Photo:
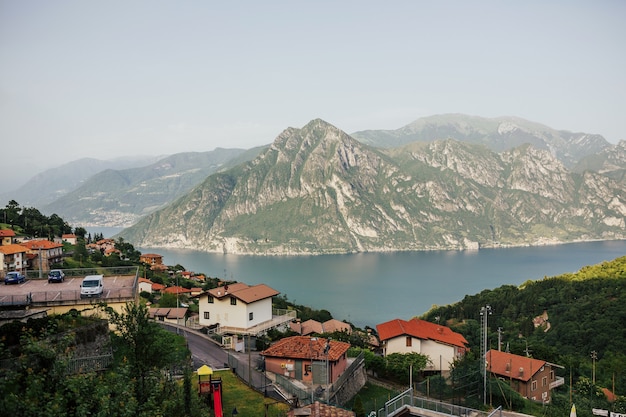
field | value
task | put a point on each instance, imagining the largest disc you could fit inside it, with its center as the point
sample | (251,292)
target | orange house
(309,359)
(48,253)
(6,236)
(531,378)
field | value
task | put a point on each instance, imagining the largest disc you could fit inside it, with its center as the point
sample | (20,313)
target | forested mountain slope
(559,319)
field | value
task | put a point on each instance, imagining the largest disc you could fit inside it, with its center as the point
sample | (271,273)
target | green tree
(398,365)
(358,408)
(146,347)
(168,300)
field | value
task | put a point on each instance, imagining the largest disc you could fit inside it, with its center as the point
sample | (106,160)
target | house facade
(7,236)
(45,253)
(236,308)
(70,238)
(532,378)
(12,258)
(308,359)
(442,345)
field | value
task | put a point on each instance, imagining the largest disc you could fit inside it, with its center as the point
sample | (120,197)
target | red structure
(216,391)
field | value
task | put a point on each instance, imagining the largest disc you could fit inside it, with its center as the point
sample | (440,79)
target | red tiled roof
(334,325)
(157,286)
(247,294)
(40,244)
(420,329)
(7,233)
(304,347)
(176,290)
(170,313)
(150,255)
(512,366)
(610,396)
(12,249)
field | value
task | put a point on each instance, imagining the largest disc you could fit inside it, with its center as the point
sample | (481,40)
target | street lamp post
(484,313)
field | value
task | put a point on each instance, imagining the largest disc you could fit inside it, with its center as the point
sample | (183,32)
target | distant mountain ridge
(93,193)
(497,134)
(121,197)
(318,190)
(54,183)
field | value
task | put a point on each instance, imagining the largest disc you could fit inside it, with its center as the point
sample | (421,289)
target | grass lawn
(249,403)
(373,397)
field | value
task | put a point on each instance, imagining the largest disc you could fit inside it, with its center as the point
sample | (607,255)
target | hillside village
(311,357)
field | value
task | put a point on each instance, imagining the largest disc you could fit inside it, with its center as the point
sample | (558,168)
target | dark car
(14,278)
(56,275)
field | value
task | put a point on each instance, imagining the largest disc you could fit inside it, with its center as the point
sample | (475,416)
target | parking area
(35,291)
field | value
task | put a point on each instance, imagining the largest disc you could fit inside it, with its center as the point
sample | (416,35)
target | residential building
(169,315)
(12,258)
(145,285)
(309,359)
(315,327)
(45,253)
(240,309)
(532,378)
(442,345)
(69,238)
(7,236)
(154,260)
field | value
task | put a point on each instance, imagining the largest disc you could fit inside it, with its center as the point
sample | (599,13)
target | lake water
(371,288)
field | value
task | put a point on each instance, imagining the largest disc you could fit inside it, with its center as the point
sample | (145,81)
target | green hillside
(582,312)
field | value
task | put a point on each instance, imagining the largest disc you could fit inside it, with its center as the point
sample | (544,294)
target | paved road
(205,351)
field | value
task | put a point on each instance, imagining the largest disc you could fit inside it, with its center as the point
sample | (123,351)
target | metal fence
(81,272)
(89,364)
(408,399)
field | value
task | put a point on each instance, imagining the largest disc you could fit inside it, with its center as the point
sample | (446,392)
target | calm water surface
(371,288)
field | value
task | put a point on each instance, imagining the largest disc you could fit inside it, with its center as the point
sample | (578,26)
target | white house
(145,285)
(236,308)
(438,342)
(12,258)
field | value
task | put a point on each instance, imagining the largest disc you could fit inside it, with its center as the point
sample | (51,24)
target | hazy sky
(116,78)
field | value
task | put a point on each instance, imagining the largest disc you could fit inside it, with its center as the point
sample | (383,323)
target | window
(533,386)
(210,299)
(207,315)
(544,381)
(409,341)
(233,301)
(250,316)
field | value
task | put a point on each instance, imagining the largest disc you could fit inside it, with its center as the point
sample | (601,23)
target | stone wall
(351,386)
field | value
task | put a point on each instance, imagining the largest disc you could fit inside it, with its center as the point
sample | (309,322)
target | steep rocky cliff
(318,190)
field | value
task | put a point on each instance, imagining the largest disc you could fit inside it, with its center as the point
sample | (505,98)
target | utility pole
(594,356)
(484,313)
(500,338)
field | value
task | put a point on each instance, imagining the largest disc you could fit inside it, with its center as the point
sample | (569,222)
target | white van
(92,286)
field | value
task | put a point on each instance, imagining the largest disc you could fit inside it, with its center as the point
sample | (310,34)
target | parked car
(56,275)
(14,278)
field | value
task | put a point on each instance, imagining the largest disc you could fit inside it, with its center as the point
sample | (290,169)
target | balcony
(559,381)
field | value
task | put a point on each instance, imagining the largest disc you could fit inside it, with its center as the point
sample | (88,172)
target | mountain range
(442,182)
(319,190)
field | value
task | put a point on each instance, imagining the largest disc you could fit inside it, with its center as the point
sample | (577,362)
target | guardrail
(81,272)
(407,399)
(89,364)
